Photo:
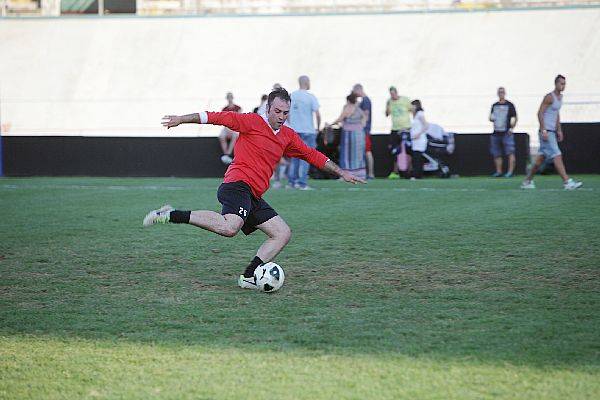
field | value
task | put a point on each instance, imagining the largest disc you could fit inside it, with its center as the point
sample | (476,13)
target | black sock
(255,263)
(180,217)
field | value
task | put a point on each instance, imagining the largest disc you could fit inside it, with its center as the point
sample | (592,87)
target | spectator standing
(365,106)
(418,135)
(304,105)
(502,140)
(262,108)
(352,141)
(227,137)
(398,107)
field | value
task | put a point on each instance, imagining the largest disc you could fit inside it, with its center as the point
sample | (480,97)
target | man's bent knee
(286,234)
(232,226)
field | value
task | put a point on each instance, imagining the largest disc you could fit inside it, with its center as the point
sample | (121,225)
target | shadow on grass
(524,319)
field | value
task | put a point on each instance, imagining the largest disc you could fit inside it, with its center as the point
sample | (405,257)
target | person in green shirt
(398,107)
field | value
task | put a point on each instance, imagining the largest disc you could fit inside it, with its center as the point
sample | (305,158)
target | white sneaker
(305,188)
(527,185)
(572,184)
(225,159)
(160,216)
(276,185)
(288,186)
(247,283)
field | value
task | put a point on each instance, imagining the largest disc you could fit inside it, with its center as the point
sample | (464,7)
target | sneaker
(393,175)
(508,175)
(370,178)
(305,188)
(572,184)
(527,185)
(288,186)
(160,216)
(276,185)
(496,174)
(247,283)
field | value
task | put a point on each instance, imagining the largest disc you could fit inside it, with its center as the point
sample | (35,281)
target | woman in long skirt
(352,143)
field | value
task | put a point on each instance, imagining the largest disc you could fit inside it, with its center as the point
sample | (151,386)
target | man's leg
(498,164)
(534,168)
(227,225)
(508,142)
(370,164)
(292,172)
(496,150)
(559,165)
(303,166)
(223,141)
(279,234)
(511,164)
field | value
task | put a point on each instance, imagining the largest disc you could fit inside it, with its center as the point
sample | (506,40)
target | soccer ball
(269,277)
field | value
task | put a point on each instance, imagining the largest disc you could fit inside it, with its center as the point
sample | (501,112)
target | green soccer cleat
(247,283)
(160,216)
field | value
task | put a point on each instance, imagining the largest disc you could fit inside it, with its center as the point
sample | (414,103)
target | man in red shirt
(263,140)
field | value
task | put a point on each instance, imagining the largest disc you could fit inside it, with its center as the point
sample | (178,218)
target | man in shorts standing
(398,107)
(550,134)
(263,140)
(502,140)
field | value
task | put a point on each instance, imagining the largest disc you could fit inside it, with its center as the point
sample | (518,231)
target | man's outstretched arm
(333,168)
(235,121)
(171,121)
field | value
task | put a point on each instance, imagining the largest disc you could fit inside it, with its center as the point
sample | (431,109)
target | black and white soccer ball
(269,277)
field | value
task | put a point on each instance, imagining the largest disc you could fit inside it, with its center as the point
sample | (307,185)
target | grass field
(441,289)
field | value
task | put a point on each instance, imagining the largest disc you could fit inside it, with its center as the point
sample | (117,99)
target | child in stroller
(439,144)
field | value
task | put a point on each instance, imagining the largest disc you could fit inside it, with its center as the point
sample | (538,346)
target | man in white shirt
(304,105)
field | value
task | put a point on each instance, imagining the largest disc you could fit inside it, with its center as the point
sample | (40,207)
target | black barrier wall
(581,147)
(199,157)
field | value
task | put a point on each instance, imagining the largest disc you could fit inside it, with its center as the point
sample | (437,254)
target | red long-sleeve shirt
(259,149)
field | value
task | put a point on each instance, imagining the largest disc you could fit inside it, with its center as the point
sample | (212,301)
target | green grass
(440,289)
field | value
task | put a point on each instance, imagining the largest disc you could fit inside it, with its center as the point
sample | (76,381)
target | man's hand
(348,177)
(333,168)
(544,135)
(560,136)
(171,121)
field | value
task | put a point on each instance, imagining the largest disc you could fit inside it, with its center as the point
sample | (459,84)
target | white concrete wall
(118,76)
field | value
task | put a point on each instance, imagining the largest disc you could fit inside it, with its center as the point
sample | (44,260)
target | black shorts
(237,198)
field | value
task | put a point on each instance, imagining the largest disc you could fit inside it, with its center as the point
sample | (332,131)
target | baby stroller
(439,144)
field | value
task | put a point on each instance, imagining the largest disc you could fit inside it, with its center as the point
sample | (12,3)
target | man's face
(501,93)
(277,113)
(357,90)
(560,84)
(229,98)
(394,94)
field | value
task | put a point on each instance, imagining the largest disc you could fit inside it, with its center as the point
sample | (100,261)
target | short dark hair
(559,76)
(351,98)
(264,97)
(417,104)
(278,93)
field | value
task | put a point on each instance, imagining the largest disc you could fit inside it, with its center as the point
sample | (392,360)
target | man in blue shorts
(502,141)
(550,134)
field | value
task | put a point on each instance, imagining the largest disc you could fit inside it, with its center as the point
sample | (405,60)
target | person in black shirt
(502,141)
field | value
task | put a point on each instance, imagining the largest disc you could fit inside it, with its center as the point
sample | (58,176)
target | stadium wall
(198,157)
(117,76)
(192,157)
